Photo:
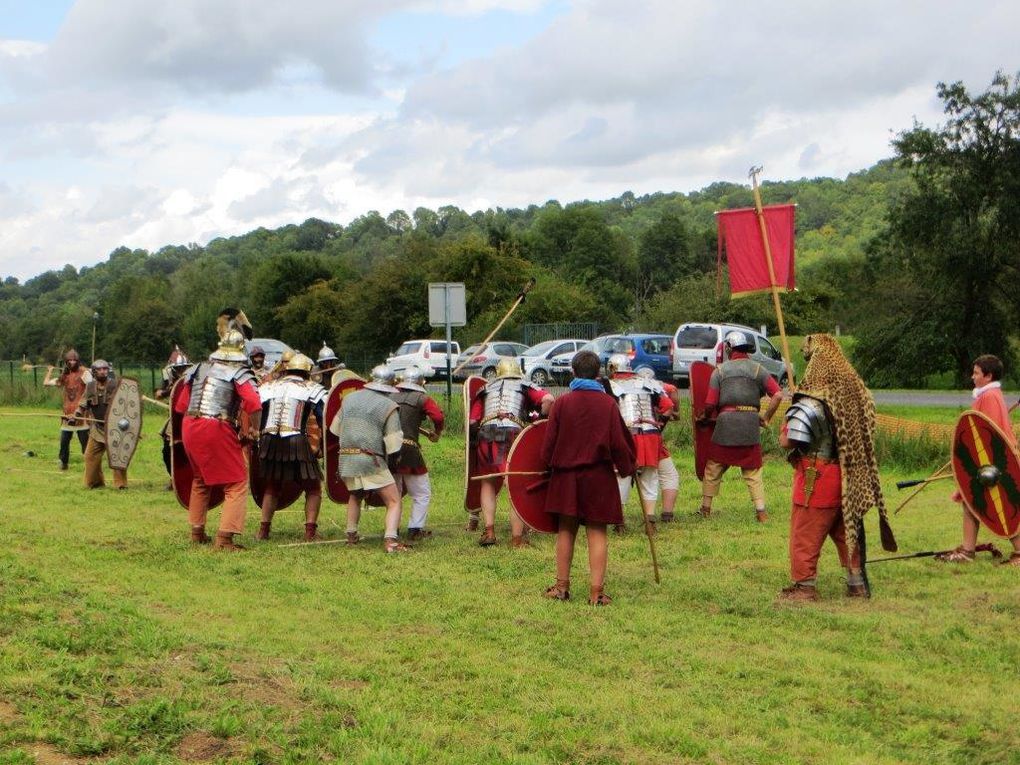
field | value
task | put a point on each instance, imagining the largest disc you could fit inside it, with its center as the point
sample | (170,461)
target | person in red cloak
(586,444)
(213,395)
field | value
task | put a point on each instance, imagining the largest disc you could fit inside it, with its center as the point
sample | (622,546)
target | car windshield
(268,344)
(471,350)
(407,348)
(538,350)
(699,338)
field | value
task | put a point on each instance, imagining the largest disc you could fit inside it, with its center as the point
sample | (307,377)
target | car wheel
(489,373)
(784,382)
(539,377)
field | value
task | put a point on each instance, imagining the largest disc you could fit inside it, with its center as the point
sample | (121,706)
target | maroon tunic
(585,439)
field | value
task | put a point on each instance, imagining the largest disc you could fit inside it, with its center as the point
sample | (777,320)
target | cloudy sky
(153,122)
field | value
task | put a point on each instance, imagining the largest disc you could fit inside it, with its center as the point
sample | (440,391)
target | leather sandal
(959,555)
(225,541)
(488,538)
(666,517)
(799,591)
(263,532)
(762,516)
(198,536)
(521,541)
(704,512)
(598,597)
(1012,560)
(395,546)
(353,538)
(472,524)
(559,591)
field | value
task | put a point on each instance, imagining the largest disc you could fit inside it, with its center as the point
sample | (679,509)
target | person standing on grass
(368,426)
(412,474)
(586,445)
(172,372)
(669,476)
(498,413)
(987,376)
(643,404)
(93,406)
(72,380)
(213,395)
(735,391)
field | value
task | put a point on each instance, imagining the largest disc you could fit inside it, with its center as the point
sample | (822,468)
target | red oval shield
(991,496)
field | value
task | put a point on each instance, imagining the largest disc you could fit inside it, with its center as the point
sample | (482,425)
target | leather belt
(739,409)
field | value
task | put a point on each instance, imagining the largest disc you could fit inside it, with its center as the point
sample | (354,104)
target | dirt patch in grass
(8,714)
(47,754)
(202,747)
(350,685)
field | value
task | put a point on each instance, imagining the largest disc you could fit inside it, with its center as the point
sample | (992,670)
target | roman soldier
(325,365)
(412,474)
(642,403)
(288,453)
(257,360)
(172,372)
(498,413)
(368,427)
(93,405)
(72,380)
(669,476)
(735,391)
(830,430)
(213,395)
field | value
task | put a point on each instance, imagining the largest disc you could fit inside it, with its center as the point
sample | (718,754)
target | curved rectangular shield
(472,489)
(336,489)
(986,467)
(123,423)
(700,373)
(527,479)
(181,471)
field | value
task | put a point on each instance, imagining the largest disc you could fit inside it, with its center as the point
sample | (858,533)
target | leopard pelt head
(830,377)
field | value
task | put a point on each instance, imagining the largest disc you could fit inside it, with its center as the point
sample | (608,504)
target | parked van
(430,355)
(696,341)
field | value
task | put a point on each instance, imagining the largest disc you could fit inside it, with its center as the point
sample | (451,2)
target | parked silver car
(695,341)
(429,355)
(482,359)
(537,361)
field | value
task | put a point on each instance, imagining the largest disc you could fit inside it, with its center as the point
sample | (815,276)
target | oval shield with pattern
(987,472)
(123,423)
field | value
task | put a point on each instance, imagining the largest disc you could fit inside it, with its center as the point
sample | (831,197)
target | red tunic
(991,404)
(827,492)
(585,440)
(745,457)
(211,444)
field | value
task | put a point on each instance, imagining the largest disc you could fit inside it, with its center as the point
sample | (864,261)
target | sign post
(447,308)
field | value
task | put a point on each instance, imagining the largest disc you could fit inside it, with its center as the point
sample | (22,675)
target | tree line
(915,256)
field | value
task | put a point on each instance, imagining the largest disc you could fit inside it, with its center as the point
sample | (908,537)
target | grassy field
(121,643)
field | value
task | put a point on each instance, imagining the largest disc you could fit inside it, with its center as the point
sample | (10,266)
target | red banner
(740,233)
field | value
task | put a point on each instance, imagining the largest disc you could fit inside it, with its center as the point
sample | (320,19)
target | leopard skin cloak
(830,377)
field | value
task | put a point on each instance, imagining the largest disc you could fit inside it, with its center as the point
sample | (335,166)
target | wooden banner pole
(772,275)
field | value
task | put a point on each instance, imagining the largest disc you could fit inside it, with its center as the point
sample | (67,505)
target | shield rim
(108,430)
(472,489)
(290,491)
(1011,455)
(181,472)
(542,521)
(701,433)
(336,489)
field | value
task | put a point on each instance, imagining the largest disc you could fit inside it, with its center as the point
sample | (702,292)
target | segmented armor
(212,389)
(808,426)
(505,408)
(287,403)
(637,397)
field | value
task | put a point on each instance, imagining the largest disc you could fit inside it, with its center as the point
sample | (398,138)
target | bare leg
(391,497)
(598,553)
(312,504)
(487,495)
(353,513)
(970,531)
(516,524)
(565,537)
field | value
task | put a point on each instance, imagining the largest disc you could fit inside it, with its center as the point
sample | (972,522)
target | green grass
(121,643)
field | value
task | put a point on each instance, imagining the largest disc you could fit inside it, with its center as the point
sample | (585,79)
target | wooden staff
(520,299)
(46,414)
(938,475)
(772,275)
(651,545)
(157,402)
(509,472)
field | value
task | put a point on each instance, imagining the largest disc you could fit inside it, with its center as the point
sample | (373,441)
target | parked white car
(430,355)
(537,361)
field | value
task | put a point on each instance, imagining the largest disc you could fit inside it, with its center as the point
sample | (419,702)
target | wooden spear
(520,299)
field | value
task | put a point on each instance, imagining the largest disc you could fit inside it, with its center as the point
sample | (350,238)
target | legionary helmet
(230,349)
(256,350)
(177,358)
(298,363)
(413,378)
(233,318)
(100,364)
(508,367)
(383,378)
(739,341)
(618,362)
(326,356)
